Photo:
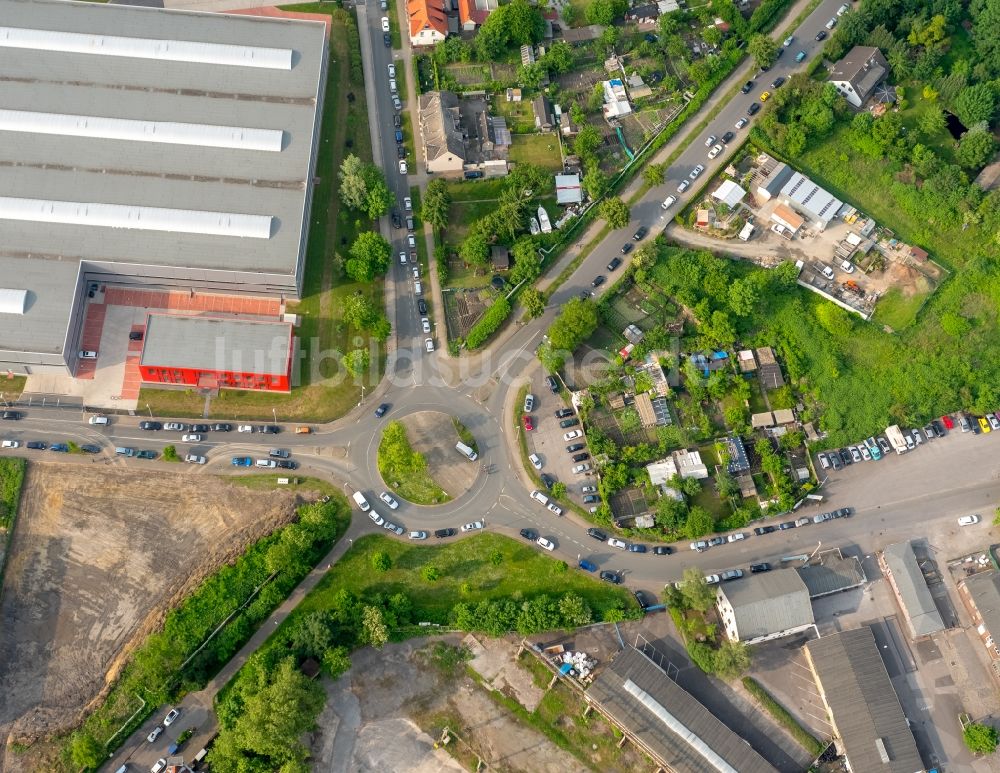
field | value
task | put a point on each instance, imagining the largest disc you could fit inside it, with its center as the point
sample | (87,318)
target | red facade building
(217,353)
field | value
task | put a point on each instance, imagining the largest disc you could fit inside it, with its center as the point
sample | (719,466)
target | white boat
(533,226)
(543,220)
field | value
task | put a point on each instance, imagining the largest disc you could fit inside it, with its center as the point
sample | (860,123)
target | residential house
(473,13)
(858,73)
(689,464)
(762,420)
(766,606)
(428,22)
(500,257)
(864,711)
(661,472)
(899,564)
(441,132)
(544,120)
(784,416)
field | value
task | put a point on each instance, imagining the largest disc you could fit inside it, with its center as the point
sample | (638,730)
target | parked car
(175,426)
(822,517)
(529,403)
(92,449)
(580,469)
(763,566)
(377,519)
(242,461)
(821,35)
(614,263)
(662,550)
(599,279)
(529,534)
(581,457)
(642,600)
(474,526)
(554,508)
(753,108)
(266,464)
(552,384)
(716,150)
(386,497)
(10,415)
(668,202)
(62,448)
(417,535)
(154,733)
(587,566)
(10,444)
(380,411)
(616,543)
(171,716)
(800,56)
(245,428)
(562,413)
(150,426)
(710,140)
(640,234)
(699,545)
(731,574)
(747,87)
(570,422)
(736,537)
(287,464)
(712,579)
(393,527)
(613,577)
(536,462)
(786,525)
(529,423)
(547,480)
(685,184)
(714,542)
(545,544)
(573,434)
(741,123)
(442,533)
(777,82)
(195,459)
(696,171)
(727,137)
(591,499)
(193,437)
(35,445)
(765,96)
(948,422)
(636,548)
(762,530)
(968,520)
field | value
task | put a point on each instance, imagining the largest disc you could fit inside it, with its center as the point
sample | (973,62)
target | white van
(98,419)
(465,451)
(538,496)
(361,502)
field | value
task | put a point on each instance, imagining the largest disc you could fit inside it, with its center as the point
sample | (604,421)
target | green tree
(732,659)
(653,174)
(435,208)
(763,49)
(574,324)
(533,301)
(696,593)
(975,104)
(381,561)
(574,611)
(595,182)
(358,310)
(373,628)
(699,523)
(431,573)
(378,197)
(353,185)
(475,250)
(981,739)
(615,211)
(932,122)
(559,58)
(85,750)
(357,362)
(524,22)
(369,257)
(604,12)
(336,661)
(527,265)
(170,454)
(976,148)
(587,141)
(530,75)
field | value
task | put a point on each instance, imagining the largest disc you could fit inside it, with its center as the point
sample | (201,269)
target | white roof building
(689,464)
(812,201)
(729,193)
(662,471)
(568,189)
(615,98)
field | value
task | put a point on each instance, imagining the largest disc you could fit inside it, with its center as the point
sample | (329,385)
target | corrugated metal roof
(685,736)
(765,604)
(921,612)
(862,703)
(810,198)
(984,588)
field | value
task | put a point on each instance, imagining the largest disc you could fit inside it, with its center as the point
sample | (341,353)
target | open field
(323,393)
(99,554)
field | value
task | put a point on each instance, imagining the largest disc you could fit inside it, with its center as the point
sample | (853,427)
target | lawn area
(269,482)
(898,311)
(539,149)
(322,390)
(520,115)
(468,573)
(941,143)
(709,499)
(11,388)
(404,470)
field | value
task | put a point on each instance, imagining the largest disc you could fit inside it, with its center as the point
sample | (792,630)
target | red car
(529,423)
(947,421)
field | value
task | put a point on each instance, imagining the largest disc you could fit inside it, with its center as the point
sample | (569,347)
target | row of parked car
(38,445)
(200,429)
(276,458)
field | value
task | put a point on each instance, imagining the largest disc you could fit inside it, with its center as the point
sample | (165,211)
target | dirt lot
(388,710)
(432,434)
(98,555)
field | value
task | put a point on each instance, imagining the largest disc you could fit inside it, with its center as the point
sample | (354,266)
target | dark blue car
(633,548)
(587,566)
(61,447)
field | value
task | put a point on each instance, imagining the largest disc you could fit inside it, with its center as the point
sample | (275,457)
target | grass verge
(11,479)
(404,470)
(780,715)
(11,388)
(269,481)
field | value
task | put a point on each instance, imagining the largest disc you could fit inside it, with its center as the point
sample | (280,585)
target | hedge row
(780,715)
(490,322)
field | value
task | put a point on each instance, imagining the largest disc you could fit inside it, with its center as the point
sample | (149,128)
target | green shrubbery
(11,480)
(489,323)
(780,715)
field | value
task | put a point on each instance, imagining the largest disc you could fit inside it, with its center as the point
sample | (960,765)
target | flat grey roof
(768,603)
(667,719)
(984,588)
(42,327)
(216,344)
(863,703)
(831,575)
(921,612)
(50,77)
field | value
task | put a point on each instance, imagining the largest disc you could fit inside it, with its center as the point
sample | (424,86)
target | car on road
(699,545)
(10,444)
(753,108)
(613,577)
(788,41)
(171,716)
(800,56)
(696,171)
(278,453)
(597,534)
(640,234)
(710,140)
(474,526)
(242,461)
(968,520)
(35,445)
(587,566)
(193,437)
(727,137)
(442,533)
(536,462)
(376,518)
(150,426)
(175,426)
(668,202)
(716,150)
(393,527)
(741,123)
(403,169)
(736,537)
(529,403)
(529,423)
(10,415)
(765,96)
(545,544)
(266,464)
(386,497)
(763,566)
(62,448)
(195,459)
(685,184)
(580,469)
(573,435)
(731,574)
(762,530)
(154,733)
(712,579)
(529,534)
(381,410)
(662,550)
(821,35)
(598,281)
(822,517)
(777,83)
(614,542)
(385,24)
(553,507)
(747,87)
(635,547)
(428,345)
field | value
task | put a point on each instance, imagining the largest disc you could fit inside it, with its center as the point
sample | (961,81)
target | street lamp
(150,410)
(274,413)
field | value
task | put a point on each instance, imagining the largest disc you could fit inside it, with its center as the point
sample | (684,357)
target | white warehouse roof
(807,197)
(729,193)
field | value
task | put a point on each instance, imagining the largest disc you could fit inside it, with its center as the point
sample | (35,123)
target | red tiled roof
(467,11)
(424,14)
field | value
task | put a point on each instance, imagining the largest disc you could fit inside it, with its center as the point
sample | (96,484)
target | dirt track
(98,555)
